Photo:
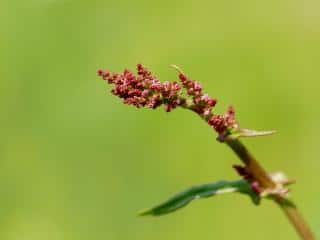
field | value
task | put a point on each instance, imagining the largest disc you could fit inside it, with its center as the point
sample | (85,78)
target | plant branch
(145,90)
(264,180)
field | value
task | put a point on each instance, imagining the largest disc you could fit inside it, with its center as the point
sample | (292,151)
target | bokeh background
(78,164)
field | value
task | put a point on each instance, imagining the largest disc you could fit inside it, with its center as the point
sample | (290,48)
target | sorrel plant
(145,90)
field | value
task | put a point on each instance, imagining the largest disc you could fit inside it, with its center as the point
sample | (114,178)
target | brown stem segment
(296,219)
(265,181)
(251,163)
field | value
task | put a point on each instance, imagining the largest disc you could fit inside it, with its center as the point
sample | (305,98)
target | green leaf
(201,191)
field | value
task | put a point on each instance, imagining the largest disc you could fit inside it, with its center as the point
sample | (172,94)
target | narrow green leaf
(201,191)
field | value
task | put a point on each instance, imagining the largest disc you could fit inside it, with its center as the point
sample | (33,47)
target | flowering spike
(145,90)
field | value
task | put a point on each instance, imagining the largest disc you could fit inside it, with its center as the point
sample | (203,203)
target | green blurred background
(78,164)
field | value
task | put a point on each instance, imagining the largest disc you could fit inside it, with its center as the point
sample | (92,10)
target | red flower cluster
(145,90)
(221,123)
(202,103)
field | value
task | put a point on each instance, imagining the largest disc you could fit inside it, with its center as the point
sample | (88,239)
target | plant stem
(296,219)
(265,181)
(251,163)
